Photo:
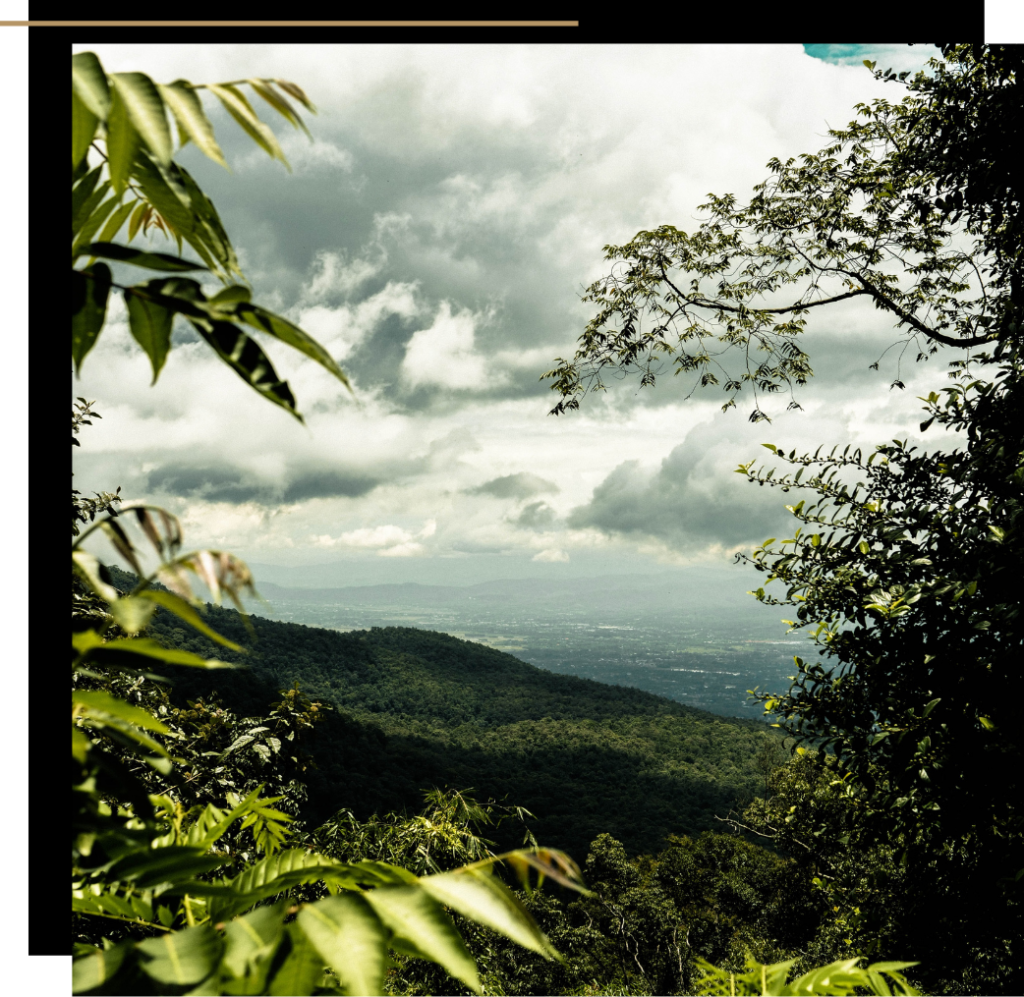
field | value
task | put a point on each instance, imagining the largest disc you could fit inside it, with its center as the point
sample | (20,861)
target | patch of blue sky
(889,56)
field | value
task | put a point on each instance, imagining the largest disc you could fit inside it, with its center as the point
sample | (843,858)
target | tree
(908,576)
(143,859)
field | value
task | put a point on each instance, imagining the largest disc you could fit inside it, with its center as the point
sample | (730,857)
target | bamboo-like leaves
(89,84)
(287,332)
(130,110)
(123,141)
(193,125)
(245,357)
(241,110)
(83,128)
(140,258)
(146,114)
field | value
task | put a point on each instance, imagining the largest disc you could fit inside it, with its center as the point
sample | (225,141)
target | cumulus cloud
(516,486)
(387,540)
(444,355)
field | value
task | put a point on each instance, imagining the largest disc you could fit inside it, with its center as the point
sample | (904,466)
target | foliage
(905,563)
(818,232)
(146,860)
(145,188)
(841,977)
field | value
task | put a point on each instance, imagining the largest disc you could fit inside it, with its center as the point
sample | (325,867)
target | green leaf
(250,940)
(145,108)
(244,356)
(150,323)
(91,224)
(287,332)
(182,957)
(90,290)
(302,967)
(138,258)
(113,226)
(122,142)
(137,217)
(88,566)
(131,614)
(163,187)
(80,193)
(171,864)
(239,108)
(209,239)
(265,89)
(482,898)
(125,649)
(89,83)
(270,876)
(83,211)
(83,128)
(93,970)
(175,604)
(192,122)
(423,930)
(350,939)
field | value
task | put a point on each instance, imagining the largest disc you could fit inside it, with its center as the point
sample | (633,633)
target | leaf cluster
(125,118)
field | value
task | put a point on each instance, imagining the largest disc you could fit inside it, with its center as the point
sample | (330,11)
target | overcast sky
(436,237)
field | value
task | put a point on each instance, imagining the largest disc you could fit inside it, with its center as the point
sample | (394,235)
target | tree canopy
(907,576)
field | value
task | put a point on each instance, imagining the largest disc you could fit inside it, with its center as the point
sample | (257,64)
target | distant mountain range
(691,593)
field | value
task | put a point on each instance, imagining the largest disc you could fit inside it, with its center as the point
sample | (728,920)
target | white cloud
(551,554)
(444,354)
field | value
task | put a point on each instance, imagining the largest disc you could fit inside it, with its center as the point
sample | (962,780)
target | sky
(436,236)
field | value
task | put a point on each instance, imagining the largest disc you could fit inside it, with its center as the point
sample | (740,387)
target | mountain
(415,709)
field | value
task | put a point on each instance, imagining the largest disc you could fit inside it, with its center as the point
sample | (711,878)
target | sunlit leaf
(83,128)
(93,970)
(278,103)
(150,324)
(175,604)
(122,142)
(145,108)
(182,957)
(239,108)
(192,122)
(89,83)
(423,930)
(350,939)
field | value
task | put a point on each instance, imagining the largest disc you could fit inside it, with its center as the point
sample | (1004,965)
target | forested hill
(416,709)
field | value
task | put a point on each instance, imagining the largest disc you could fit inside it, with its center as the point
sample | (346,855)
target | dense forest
(415,709)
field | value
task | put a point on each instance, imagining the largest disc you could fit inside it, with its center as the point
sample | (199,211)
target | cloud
(517,486)
(692,502)
(220,483)
(536,516)
(551,554)
(387,540)
(444,354)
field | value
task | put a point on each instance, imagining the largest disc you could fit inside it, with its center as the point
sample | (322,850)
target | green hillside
(415,709)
